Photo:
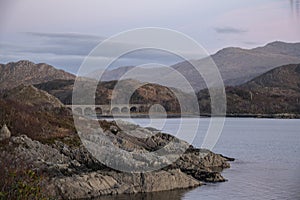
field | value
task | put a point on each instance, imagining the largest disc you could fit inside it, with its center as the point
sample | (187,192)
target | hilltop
(25,72)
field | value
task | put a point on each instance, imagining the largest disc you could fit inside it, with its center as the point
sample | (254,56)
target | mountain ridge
(236,65)
(26,72)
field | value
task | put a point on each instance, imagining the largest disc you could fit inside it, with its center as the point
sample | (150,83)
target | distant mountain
(25,72)
(274,92)
(114,74)
(289,49)
(236,65)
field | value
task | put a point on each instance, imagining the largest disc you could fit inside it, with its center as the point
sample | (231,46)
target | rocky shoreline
(203,115)
(71,172)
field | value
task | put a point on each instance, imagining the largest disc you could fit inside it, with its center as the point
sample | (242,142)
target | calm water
(267,165)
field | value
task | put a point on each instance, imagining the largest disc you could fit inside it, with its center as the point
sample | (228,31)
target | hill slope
(25,72)
(274,92)
(142,93)
(29,95)
(28,115)
(238,66)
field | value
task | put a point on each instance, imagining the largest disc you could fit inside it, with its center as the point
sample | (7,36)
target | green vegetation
(18,181)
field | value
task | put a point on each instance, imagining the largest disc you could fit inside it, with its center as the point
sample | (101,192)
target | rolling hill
(274,92)
(236,65)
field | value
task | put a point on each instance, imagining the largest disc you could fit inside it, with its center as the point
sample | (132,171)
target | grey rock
(73,173)
(4,133)
(98,183)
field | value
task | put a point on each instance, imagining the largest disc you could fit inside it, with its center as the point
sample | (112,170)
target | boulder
(4,133)
(95,184)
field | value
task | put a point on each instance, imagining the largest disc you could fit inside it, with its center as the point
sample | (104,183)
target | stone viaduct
(109,109)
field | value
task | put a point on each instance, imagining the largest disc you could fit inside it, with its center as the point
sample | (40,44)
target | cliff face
(25,72)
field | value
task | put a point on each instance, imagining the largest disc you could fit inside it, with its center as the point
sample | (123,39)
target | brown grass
(36,123)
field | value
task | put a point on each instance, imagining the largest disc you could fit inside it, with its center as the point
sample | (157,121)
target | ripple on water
(267,162)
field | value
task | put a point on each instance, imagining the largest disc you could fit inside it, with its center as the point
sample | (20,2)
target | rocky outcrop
(202,164)
(4,133)
(73,173)
(108,183)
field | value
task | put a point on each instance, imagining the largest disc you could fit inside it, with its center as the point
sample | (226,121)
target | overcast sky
(63,32)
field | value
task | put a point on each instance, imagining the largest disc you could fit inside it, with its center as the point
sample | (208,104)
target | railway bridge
(109,109)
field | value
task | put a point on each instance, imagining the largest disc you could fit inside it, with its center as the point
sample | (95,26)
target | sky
(63,32)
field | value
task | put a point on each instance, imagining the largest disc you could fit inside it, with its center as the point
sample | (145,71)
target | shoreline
(264,116)
(72,172)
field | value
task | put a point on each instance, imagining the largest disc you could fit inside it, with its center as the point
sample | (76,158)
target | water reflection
(174,195)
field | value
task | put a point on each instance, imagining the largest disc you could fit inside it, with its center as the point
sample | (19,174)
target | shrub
(18,180)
